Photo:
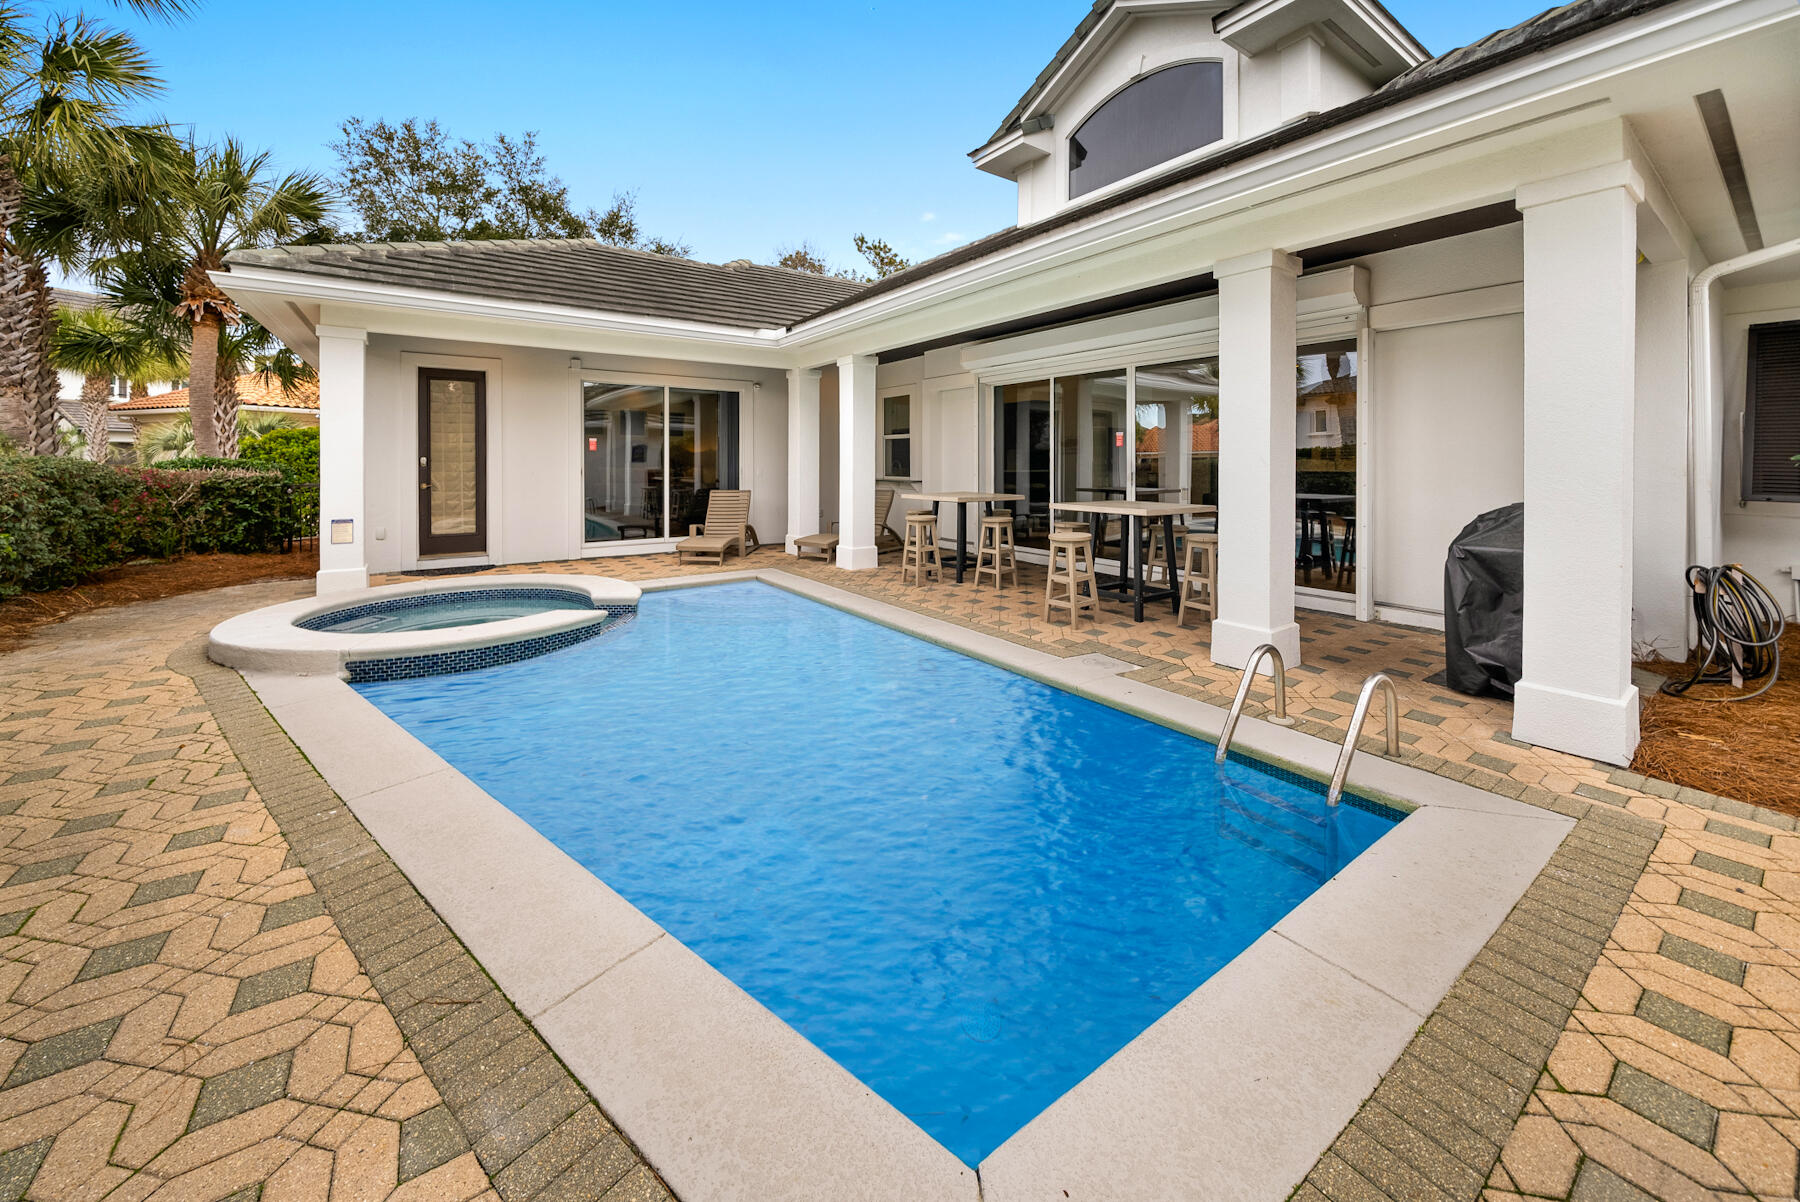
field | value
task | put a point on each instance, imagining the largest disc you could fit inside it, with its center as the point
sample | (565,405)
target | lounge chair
(727,525)
(886,539)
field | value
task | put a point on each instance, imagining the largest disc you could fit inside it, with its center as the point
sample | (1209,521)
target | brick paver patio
(183,1017)
(215,986)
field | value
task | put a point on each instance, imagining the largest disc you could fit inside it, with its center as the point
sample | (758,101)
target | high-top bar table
(961,500)
(1131,567)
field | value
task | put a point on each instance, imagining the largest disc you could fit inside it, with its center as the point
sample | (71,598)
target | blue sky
(743,127)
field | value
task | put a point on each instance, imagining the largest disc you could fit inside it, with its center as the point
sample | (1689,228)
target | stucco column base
(340,580)
(1600,728)
(1232,643)
(856,559)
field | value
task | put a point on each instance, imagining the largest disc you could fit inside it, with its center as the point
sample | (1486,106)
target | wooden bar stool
(1200,578)
(1157,558)
(994,551)
(919,553)
(1071,566)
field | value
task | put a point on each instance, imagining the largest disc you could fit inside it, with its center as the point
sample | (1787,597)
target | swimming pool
(967,888)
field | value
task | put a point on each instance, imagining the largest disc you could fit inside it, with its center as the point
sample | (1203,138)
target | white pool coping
(1234,1093)
(267,639)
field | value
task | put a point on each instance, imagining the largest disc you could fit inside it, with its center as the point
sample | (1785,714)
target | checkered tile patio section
(184,1016)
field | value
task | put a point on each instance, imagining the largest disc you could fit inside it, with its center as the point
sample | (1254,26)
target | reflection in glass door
(1325,467)
(452,462)
(703,452)
(622,461)
(1022,457)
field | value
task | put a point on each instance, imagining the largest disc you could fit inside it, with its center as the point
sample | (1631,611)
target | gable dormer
(1144,85)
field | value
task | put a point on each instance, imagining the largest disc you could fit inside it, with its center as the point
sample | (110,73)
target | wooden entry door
(452,462)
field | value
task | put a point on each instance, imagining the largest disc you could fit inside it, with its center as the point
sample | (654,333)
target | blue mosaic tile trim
(388,605)
(1312,785)
(473,659)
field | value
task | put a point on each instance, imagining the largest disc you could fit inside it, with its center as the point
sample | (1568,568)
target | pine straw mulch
(148,580)
(1748,750)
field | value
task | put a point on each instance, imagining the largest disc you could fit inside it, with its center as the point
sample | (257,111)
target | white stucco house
(1265,250)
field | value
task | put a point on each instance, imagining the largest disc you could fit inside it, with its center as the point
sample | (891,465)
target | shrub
(293,449)
(65,520)
(198,463)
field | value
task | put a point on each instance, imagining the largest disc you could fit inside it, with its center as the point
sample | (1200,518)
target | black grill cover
(1484,604)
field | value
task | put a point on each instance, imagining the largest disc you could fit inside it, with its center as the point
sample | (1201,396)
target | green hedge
(65,520)
(293,449)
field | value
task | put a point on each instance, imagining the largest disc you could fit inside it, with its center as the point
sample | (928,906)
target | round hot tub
(424,628)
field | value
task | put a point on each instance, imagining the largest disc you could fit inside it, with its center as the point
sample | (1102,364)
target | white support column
(856,462)
(1256,458)
(343,563)
(803,455)
(1659,589)
(1576,693)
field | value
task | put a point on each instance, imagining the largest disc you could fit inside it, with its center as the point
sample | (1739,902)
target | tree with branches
(414,182)
(72,170)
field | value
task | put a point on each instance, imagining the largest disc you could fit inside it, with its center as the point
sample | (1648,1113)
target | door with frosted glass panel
(452,462)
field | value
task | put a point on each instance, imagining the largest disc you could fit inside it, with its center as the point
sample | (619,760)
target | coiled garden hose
(1741,624)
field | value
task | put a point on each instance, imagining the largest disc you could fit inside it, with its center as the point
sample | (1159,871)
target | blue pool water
(436,611)
(968,888)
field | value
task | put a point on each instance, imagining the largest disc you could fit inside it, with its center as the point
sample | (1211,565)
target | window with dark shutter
(1772,414)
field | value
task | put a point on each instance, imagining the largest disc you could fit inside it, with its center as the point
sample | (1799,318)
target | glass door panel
(703,451)
(1178,434)
(622,461)
(1092,420)
(1022,457)
(452,462)
(1325,467)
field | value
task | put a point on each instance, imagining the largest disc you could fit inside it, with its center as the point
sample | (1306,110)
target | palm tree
(170,440)
(252,426)
(227,199)
(67,159)
(100,344)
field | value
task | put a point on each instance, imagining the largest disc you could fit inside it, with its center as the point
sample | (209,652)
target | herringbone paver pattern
(214,986)
(180,1015)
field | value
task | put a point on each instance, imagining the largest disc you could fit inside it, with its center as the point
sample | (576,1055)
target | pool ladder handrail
(1357,717)
(1237,706)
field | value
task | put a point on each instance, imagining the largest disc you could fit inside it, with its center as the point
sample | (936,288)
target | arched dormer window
(1153,119)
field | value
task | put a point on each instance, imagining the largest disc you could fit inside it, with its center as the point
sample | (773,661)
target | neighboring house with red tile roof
(255,395)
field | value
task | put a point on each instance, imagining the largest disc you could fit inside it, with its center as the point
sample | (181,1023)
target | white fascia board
(1005,156)
(329,290)
(1437,119)
(1108,27)
(1264,24)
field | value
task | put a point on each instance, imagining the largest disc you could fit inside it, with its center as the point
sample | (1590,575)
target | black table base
(1132,553)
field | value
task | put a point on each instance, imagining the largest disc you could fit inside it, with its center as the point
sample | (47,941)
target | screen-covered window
(1160,116)
(1772,414)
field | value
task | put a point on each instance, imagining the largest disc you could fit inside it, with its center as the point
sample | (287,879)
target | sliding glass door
(651,455)
(1325,467)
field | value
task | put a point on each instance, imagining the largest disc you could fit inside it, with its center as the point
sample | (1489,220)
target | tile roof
(252,390)
(578,273)
(73,298)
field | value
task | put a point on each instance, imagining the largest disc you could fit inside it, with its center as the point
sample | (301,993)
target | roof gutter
(1705,442)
